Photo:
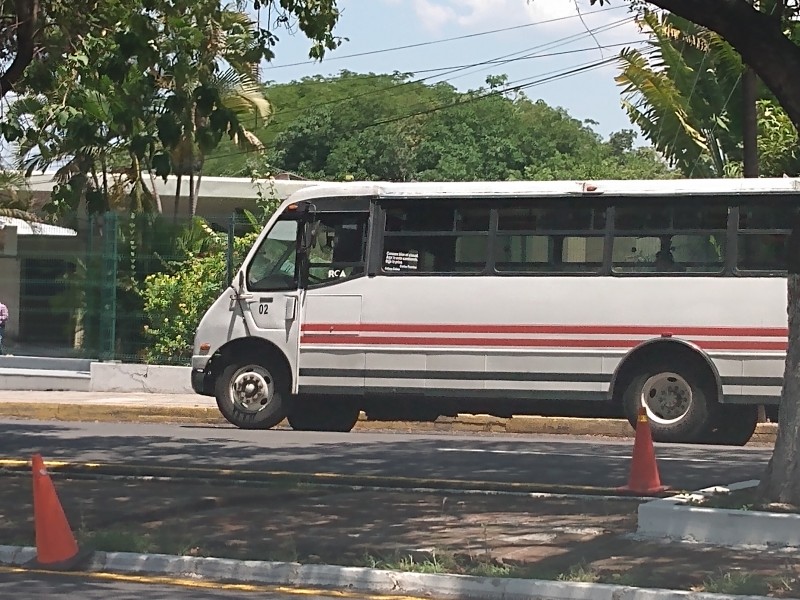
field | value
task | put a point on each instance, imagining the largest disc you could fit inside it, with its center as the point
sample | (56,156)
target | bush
(175,301)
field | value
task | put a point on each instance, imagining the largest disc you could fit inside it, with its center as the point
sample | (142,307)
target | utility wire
(392,88)
(500,60)
(517,86)
(445,40)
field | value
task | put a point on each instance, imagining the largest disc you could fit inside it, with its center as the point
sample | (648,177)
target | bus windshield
(274,265)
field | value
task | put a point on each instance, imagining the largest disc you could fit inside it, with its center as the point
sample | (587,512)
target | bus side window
(445,238)
(763,237)
(672,239)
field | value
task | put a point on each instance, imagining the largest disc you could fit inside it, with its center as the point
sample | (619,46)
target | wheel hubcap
(252,388)
(666,397)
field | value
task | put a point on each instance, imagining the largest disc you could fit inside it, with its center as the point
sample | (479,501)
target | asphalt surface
(549,460)
(32,586)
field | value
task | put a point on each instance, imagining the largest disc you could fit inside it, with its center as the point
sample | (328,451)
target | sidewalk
(193,408)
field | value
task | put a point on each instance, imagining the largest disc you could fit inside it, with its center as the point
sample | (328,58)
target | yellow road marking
(211,585)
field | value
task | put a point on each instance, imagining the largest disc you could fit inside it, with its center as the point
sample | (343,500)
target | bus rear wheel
(252,395)
(676,397)
(318,414)
(732,425)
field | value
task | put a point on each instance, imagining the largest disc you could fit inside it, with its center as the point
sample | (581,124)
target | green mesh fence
(91,294)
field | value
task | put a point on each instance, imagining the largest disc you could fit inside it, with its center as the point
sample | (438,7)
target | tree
(685,92)
(154,96)
(391,127)
(763,37)
(44,30)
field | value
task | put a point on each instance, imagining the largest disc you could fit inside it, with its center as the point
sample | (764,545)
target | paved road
(32,586)
(525,459)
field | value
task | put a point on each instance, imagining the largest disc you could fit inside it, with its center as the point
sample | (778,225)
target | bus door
(330,353)
(268,291)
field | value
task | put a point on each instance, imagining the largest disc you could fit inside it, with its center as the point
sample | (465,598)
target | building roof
(26,228)
(228,188)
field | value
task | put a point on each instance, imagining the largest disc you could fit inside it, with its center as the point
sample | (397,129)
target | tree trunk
(192,198)
(27,24)
(781,481)
(196,192)
(177,201)
(156,195)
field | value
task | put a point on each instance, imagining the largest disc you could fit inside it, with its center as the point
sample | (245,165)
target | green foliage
(685,92)
(176,298)
(174,303)
(163,89)
(390,127)
(777,141)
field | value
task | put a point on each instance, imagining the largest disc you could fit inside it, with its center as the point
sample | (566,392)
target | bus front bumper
(200,382)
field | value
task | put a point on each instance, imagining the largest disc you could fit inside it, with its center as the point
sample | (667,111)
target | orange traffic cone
(56,547)
(644,477)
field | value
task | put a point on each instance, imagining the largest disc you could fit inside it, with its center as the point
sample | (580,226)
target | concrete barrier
(135,378)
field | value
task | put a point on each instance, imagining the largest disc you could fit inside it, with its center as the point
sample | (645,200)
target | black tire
(732,425)
(262,409)
(695,408)
(316,414)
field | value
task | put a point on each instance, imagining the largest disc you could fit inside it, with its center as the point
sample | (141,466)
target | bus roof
(552,189)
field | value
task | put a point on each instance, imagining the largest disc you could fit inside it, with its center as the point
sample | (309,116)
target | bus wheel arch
(676,382)
(252,382)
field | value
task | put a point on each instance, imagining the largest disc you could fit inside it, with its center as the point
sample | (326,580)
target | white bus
(414,300)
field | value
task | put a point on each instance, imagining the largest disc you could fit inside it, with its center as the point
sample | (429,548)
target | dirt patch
(744,499)
(568,539)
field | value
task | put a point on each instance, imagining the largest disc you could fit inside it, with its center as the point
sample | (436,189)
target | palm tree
(243,97)
(684,94)
(234,89)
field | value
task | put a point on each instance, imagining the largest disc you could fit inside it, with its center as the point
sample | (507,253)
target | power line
(551,45)
(391,88)
(445,40)
(499,60)
(548,77)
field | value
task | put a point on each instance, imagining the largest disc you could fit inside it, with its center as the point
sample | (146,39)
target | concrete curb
(363,579)
(676,518)
(134,377)
(74,411)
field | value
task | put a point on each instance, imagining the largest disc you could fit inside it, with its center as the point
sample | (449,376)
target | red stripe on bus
(356,340)
(551,329)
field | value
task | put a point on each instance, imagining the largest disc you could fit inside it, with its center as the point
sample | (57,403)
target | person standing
(3,321)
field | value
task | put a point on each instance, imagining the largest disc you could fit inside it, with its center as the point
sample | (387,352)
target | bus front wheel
(317,414)
(252,395)
(676,398)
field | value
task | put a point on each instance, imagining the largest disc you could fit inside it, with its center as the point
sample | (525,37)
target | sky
(537,40)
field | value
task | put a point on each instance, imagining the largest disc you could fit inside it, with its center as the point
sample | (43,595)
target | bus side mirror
(241,282)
